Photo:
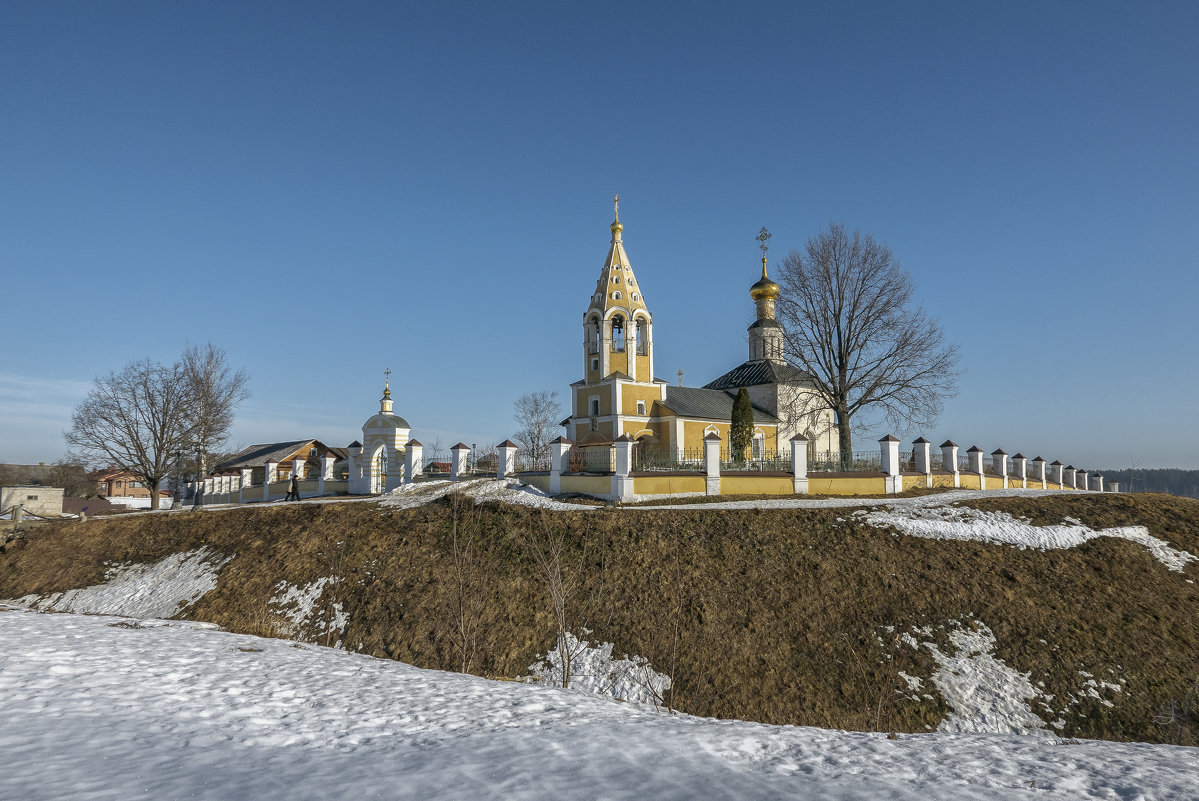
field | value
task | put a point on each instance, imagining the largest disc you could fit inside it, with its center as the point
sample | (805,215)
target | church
(619,394)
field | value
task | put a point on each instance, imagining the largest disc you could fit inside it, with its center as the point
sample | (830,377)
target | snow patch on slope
(503,490)
(593,670)
(984,694)
(297,606)
(965,523)
(159,590)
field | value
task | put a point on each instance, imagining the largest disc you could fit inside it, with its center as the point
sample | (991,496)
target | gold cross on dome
(387,375)
(762,236)
(616,206)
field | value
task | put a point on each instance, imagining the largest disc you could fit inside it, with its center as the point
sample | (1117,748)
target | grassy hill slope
(780,616)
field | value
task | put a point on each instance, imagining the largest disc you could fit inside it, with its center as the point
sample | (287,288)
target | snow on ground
(97,708)
(983,693)
(158,590)
(964,523)
(933,499)
(297,605)
(593,670)
(505,490)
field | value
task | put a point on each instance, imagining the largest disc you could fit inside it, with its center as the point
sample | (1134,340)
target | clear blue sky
(329,189)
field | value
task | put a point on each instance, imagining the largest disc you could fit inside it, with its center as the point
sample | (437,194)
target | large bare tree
(850,322)
(134,419)
(537,414)
(214,390)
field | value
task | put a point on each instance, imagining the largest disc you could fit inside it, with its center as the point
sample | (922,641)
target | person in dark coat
(293,491)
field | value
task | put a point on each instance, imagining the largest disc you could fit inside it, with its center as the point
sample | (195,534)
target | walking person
(293,491)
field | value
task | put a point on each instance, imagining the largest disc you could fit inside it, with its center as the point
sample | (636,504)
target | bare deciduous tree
(536,415)
(134,419)
(473,566)
(846,305)
(214,390)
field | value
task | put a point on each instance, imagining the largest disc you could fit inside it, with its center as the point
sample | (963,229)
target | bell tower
(617,393)
(617,326)
(765,333)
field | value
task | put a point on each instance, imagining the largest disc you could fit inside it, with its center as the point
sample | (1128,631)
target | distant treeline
(1170,479)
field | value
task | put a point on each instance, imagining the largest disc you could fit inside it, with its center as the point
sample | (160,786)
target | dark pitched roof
(257,455)
(760,371)
(708,404)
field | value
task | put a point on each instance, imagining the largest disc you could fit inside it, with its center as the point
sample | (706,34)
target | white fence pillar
(270,473)
(999,464)
(1082,479)
(924,464)
(975,457)
(247,479)
(1097,482)
(458,456)
(1020,469)
(1038,472)
(799,464)
(414,454)
(949,460)
(1057,473)
(712,464)
(506,464)
(622,480)
(1069,477)
(1113,486)
(559,463)
(889,458)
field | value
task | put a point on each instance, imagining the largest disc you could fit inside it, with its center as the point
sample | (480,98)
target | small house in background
(116,483)
(123,488)
(42,501)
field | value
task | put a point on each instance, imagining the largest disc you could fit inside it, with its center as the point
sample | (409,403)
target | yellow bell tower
(617,326)
(618,387)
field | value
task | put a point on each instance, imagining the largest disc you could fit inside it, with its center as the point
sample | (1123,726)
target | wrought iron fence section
(592,459)
(528,464)
(648,460)
(855,462)
(762,462)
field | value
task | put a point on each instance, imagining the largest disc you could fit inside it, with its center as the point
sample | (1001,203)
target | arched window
(635,297)
(617,332)
(616,296)
(642,338)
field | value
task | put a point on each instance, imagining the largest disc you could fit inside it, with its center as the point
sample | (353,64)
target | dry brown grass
(770,615)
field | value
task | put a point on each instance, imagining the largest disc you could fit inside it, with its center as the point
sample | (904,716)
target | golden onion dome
(764,289)
(616,227)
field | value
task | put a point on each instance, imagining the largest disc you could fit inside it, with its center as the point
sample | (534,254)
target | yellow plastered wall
(540,482)
(667,485)
(631,393)
(693,432)
(970,481)
(846,485)
(913,482)
(584,395)
(943,479)
(642,368)
(757,485)
(587,485)
(993,482)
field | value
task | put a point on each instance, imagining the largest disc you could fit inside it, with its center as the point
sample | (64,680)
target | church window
(640,407)
(642,339)
(593,406)
(615,296)
(595,364)
(635,297)
(617,330)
